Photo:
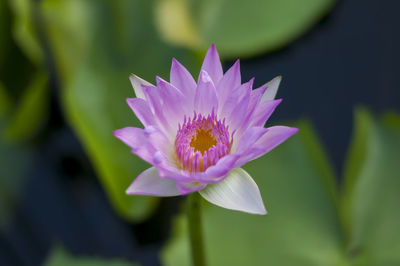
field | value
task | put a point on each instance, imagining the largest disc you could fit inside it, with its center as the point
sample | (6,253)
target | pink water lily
(198,135)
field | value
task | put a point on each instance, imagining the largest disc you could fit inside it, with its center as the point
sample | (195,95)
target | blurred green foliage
(237,28)
(32,110)
(306,224)
(60,257)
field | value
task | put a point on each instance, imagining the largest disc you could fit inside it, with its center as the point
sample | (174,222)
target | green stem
(196,229)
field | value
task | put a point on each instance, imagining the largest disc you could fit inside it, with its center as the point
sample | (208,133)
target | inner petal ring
(201,141)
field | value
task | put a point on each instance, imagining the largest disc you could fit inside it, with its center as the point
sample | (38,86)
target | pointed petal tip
(251,82)
(294,130)
(237,191)
(128,100)
(137,84)
(130,191)
(212,49)
(175,63)
(259,211)
(159,80)
(271,89)
(149,183)
(117,133)
(132,76)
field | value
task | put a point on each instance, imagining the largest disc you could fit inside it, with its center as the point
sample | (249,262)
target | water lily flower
(198,135)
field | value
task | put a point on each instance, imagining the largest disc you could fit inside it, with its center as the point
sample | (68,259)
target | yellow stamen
(203,140)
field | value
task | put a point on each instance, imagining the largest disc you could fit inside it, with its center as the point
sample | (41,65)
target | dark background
(350,58)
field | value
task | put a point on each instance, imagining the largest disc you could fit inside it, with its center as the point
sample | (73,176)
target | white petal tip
(272,89)
(149,183)
(237,192)
(137,83)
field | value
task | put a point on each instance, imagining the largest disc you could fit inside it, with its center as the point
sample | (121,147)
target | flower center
(201,141)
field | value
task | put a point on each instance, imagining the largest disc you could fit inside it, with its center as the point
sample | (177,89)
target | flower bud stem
(195,229)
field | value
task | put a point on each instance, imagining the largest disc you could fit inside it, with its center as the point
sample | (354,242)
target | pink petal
(237,191)
(132,136)
(263,111)
(182,79)
(189,187)
(145,143)
(255,97)
(174,104)
(236,105)
(250,136)
(217,172)
(137,85)
(149,183)
(141,110)
(206,98)
(271,138)
(153,98)
(230,81)
(212,64)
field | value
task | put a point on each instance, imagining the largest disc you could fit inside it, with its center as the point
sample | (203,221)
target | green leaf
(69,26)
(302,227)
(24,29)
(5,101)
(237,28)
(60,257)
(31,111)
(95,83)
(372,191)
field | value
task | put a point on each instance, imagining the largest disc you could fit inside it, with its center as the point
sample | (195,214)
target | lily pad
(237,28)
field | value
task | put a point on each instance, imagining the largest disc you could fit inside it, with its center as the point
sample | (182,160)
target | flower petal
(141,110)
(189,187)
(237,191)
(229,82)
(153,97)
(145,143)
(263,111)
(272,137)
(221,169)
(137,85)
(182,79)
(149,183)
(206,98)
(250,136)
(131,136)
(212,64)
(255,98)
(170,97)
(236,105)
(272,89)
